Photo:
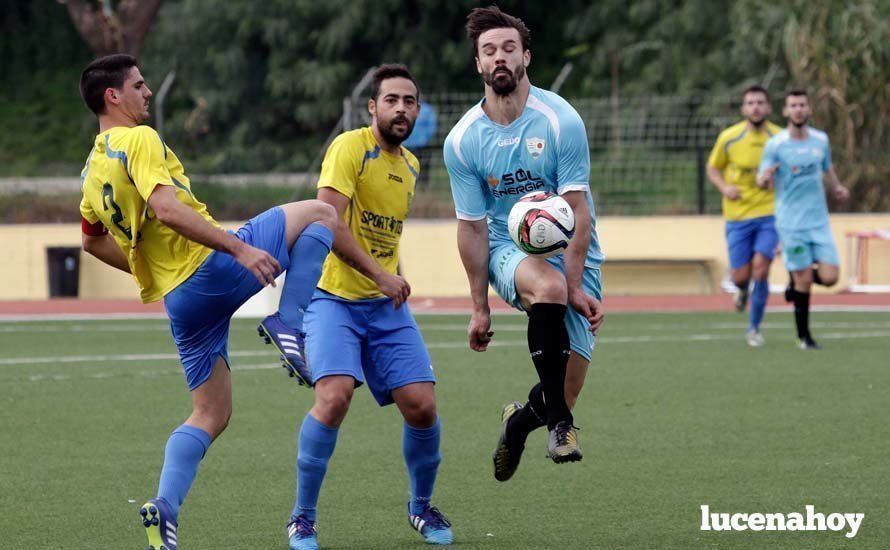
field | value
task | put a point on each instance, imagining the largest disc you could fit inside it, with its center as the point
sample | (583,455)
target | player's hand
(589,307)
(841,193)
(479,331)
(395,287)
(731,192)
(767,178)
(259,262)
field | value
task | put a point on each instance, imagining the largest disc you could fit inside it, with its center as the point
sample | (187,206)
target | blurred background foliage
(259,85)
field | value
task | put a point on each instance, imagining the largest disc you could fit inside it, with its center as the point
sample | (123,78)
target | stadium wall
(644,255)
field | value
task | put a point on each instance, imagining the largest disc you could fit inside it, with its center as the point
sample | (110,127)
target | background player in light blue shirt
(794,162)
(516,140)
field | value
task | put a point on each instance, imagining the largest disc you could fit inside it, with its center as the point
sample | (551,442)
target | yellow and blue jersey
(122,170)
(380,188)
(737,154)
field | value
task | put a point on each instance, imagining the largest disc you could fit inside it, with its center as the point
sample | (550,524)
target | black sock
(548,342)
(529,418)
(742,287)
(816,278)
(802,314)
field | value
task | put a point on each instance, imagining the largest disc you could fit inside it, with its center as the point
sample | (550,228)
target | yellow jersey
(120,174)
(737,154)
(380,188)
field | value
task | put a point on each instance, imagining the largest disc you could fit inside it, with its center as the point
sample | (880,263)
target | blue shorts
(504,258)
(746,237)
(201,307)
(802,248)
(367,340)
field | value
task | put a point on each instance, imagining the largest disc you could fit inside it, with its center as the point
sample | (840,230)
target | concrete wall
(432,265)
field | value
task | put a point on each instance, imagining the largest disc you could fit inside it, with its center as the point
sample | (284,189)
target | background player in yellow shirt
(359,327)
(141,216)
(750,225)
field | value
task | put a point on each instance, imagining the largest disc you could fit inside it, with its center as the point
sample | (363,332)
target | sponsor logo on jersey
(377,221)
(535,147)
(493,181)
(506,142)
(519,182)
(395,178)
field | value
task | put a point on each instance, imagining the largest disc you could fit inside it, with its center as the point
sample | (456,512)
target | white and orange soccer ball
(541,224)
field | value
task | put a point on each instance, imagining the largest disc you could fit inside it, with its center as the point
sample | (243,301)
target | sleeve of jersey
(341,165)
(826,160)
(146,164)
(718,157)
(573,156)
(466,187)
(89,221)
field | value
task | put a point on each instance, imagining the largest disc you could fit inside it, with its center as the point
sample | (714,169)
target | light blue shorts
(504,258)
(368,340)
(802,248)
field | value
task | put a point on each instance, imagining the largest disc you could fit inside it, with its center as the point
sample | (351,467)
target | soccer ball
(541,224)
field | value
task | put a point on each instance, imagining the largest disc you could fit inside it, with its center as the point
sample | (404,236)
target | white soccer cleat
(754,338)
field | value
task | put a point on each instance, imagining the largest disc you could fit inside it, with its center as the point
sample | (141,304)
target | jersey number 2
(118,217)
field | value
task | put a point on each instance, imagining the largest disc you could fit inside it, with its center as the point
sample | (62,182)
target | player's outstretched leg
(284,329)
(801,297)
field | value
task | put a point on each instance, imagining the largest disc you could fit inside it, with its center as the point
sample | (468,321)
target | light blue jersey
(492,166)
(800,195)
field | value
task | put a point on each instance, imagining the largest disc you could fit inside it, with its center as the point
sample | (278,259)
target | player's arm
(472,243)
(575,257)
(835,187)
(98,242)
(191,225)
(716,163)
(351,252)
(769,164)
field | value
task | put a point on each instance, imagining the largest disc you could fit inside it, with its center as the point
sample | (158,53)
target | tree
(110,30)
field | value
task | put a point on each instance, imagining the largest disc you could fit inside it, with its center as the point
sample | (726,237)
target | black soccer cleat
(506,458)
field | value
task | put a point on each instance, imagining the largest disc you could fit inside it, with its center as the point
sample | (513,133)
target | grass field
(677,412)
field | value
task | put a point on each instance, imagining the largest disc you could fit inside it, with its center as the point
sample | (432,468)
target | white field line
(417,310)
(605,340)
(432,327)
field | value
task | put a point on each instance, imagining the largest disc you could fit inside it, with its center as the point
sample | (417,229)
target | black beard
(757,123)
(389,135)
(800,124)
(505,86)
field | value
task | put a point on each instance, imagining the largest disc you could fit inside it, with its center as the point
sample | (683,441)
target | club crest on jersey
(535,147)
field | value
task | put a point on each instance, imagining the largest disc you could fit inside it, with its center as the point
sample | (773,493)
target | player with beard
(518,139)
(750,225)
(794,163)
(359,327)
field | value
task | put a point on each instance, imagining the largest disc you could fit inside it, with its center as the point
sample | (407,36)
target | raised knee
(326,214)
(551,290)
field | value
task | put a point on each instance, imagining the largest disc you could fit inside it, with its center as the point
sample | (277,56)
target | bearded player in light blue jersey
(519,139)
(794,162)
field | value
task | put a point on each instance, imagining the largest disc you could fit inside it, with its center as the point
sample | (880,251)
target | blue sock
(185,449)
(758,302)
(421,449)
(316,446)
(306,258)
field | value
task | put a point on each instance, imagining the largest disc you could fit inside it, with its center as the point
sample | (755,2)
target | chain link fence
(647,154)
